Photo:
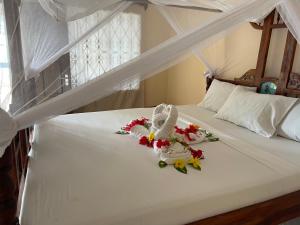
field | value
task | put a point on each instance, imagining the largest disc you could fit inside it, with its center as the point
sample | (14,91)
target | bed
(81,172)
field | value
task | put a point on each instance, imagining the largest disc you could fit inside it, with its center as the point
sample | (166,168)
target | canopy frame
(273,211)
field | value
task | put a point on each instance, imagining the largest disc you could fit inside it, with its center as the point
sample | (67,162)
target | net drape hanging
(67,10)
(290,13)
(46,40)
(41,38)
(141,67)
(179,30)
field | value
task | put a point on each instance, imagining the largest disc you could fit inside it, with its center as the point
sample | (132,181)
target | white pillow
(257,112)
(290,126)
(218,93)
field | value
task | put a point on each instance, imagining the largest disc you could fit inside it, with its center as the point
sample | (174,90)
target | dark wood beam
(287,62)
(270,212)
(264,48)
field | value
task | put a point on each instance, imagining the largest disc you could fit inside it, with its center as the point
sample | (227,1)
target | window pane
(116,43)
(5,81)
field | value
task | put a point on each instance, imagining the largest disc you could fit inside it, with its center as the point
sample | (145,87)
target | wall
(155,30)
(242,47)
(182,83)
(186,83)
(232,55)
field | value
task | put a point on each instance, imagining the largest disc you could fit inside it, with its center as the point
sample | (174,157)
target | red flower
(133,123)
(197,153)
(145,141)
(179,130)
(191,129)
(162,143)
(150,144)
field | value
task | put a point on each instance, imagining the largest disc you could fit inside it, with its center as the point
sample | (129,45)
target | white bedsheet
(81,173)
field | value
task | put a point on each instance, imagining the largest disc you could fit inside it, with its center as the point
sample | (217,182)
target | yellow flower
(179,163)
(195,162)
(151,137)
(195,126)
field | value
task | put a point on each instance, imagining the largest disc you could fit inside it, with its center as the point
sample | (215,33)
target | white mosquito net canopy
(46,38)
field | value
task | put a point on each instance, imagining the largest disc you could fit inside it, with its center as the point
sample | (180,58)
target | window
(116,43)
(5,80)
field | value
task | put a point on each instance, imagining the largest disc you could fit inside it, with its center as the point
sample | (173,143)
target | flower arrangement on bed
(173,145)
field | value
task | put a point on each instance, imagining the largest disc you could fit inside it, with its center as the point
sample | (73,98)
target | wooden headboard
(288,83)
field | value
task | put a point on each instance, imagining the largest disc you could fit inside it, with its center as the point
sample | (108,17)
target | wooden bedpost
(8,189)
(13,169)
(209,80)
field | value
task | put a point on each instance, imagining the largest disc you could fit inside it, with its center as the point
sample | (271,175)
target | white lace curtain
(114,44)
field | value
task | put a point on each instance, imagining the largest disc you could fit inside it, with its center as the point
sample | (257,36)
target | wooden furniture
(286,207)
(13,164)
(288,83)
(13,168)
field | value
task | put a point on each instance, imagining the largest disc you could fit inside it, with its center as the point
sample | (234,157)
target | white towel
(163,121)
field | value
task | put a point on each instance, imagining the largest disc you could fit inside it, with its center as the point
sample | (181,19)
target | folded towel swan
(163,122)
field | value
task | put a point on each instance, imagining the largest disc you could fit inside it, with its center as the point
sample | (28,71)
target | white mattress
(81,173)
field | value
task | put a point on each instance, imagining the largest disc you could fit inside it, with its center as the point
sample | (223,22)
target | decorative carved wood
(294,81)
(288,82)
(287,207)
(248,76)
(287,63)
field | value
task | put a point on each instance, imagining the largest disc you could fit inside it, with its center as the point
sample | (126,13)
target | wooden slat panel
(8,189)
(287,62)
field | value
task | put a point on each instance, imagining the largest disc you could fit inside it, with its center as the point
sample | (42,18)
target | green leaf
(173,140)
(183,170)
(197,167)
(162,164)
(147,125)
(213,139)
(122,132)
(208,135)
(184,144)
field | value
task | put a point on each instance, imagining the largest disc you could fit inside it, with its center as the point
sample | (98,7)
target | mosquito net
(64,54)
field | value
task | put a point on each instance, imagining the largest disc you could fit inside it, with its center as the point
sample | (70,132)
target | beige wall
(155,30)
(232,56)
(186,83)
(181,84)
